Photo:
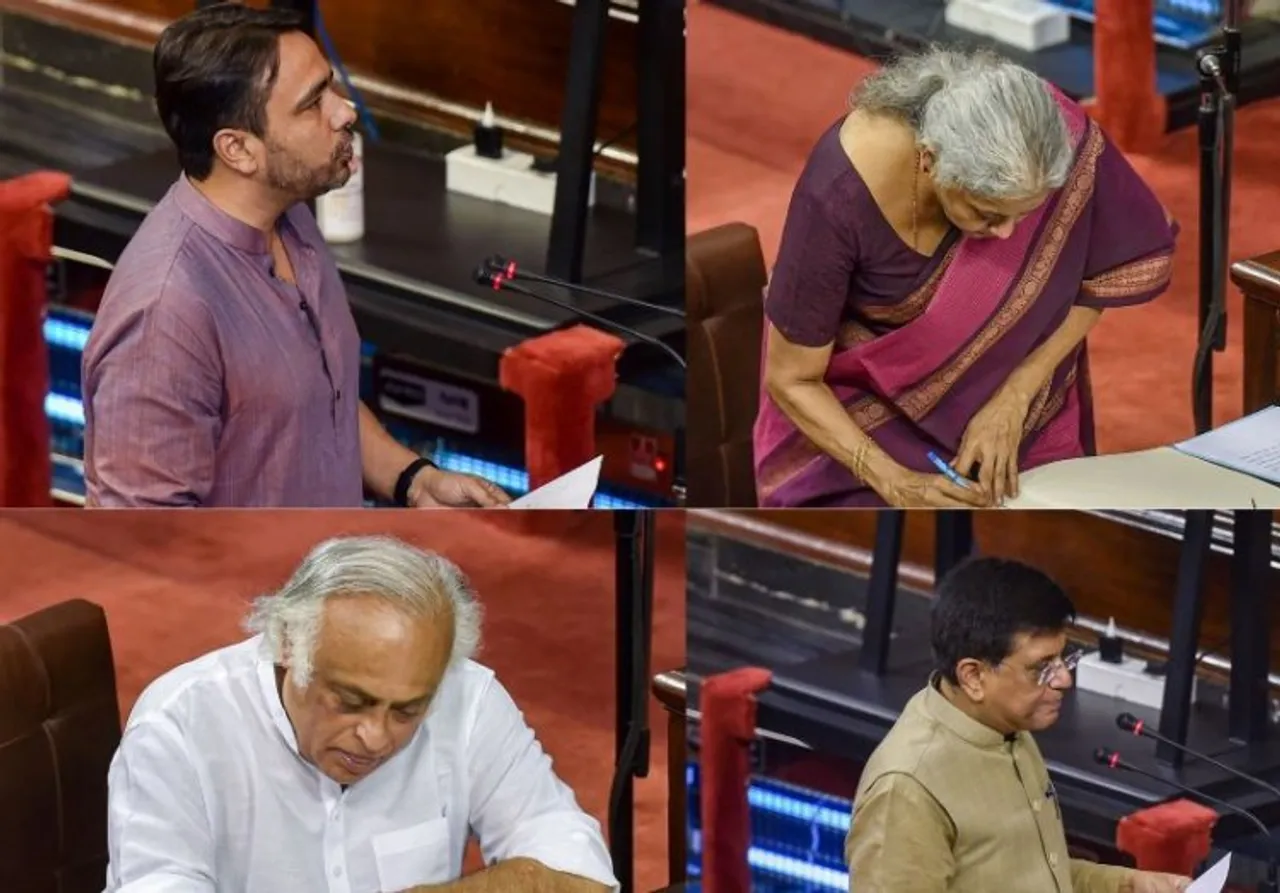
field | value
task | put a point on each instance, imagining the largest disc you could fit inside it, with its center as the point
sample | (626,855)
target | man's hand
(991,441)
(1154,882)
(436,488)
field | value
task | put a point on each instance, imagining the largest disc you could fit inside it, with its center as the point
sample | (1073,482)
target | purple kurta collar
(217,222)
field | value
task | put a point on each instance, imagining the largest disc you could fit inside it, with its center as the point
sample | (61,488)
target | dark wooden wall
(514,53)
(1110,569)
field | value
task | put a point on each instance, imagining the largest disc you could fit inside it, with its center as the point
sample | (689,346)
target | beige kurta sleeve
(1091,877)
(900,840)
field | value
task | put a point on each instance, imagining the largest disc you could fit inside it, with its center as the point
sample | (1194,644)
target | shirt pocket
(414,856)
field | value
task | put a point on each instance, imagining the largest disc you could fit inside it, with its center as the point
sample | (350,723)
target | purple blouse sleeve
(809,287)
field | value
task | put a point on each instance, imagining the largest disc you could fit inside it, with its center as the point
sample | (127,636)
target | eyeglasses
(1050,670)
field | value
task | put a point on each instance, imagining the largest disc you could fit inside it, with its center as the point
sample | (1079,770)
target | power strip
(510,180)
(1026,24)
(1129,681)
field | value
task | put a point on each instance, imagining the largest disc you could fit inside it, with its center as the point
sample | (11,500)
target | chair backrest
(59,728)
(724,300)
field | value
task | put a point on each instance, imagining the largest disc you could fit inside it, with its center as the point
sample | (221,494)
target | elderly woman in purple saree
(917,352)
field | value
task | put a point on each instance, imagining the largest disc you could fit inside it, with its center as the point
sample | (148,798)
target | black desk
(842,700)
(409,280)
(836,708)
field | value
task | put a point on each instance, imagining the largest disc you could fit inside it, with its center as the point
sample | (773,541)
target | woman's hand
(904,488)
(991,442)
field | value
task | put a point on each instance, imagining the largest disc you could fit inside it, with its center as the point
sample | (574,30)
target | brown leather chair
(724,301)
(59,727)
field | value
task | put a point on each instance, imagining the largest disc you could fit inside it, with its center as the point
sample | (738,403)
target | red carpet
(759,97)
(175,585)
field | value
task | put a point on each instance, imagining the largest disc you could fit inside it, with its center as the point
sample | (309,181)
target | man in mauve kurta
(957,798)
(223,367)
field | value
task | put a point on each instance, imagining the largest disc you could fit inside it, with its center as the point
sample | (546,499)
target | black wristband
(401,493)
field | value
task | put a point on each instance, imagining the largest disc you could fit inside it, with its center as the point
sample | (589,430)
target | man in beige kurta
(957,797)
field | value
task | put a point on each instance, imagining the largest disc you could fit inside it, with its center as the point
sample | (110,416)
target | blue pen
(951,474)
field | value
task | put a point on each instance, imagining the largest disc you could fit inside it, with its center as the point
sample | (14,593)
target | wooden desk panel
(1110,569)
(1259,279)
(426,55)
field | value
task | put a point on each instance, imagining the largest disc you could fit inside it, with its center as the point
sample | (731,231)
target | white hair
(994,128)
(419,582)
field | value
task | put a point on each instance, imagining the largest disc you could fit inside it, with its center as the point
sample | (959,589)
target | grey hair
(419,582)
(994,128)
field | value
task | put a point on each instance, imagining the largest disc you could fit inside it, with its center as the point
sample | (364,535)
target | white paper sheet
(569,491)
(1250,445)
(1162,477)
(1213,880)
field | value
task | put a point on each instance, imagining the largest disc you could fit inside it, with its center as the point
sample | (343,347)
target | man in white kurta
(210,790)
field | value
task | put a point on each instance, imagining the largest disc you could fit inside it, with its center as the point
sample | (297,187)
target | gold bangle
(860,460)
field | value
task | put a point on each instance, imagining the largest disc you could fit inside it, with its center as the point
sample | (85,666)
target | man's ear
(238,150)
(969,675)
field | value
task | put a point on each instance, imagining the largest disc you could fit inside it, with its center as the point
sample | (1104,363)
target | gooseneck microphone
(509,270)
(1127,722)
(1112,760)
(498,282)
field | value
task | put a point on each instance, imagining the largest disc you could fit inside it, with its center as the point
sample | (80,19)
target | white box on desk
(510,180)
(1026,24)
(1127,681)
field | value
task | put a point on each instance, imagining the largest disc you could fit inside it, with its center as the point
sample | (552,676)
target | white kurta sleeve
(158,835)
(519,807)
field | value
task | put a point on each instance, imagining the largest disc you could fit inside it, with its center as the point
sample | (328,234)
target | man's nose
(345,116)
(1062,678)
(373,734)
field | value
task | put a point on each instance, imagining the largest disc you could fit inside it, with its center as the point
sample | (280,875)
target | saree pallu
(913,373)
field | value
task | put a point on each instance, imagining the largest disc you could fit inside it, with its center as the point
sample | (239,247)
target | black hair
(215,68)
(983,603)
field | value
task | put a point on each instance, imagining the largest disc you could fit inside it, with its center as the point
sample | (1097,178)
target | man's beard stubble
(286,174)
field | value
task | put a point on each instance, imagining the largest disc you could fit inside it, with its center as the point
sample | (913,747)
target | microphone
(498,282)
(1218,71)
(1127,722)
(508,269)
(1111,759)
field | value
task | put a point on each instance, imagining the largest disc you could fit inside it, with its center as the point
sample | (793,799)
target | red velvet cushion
(562,376)
(728,706)
(26,234)
(1172,837)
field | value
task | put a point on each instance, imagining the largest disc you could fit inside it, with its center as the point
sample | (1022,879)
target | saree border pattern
(916,302)
(1131,279)
(919,401)
(869,412)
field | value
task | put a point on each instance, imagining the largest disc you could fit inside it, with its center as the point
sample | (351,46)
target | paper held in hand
(1213,880)
(573,490)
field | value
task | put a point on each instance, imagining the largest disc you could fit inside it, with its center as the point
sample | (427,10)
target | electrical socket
(510,180)
(1128,681)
